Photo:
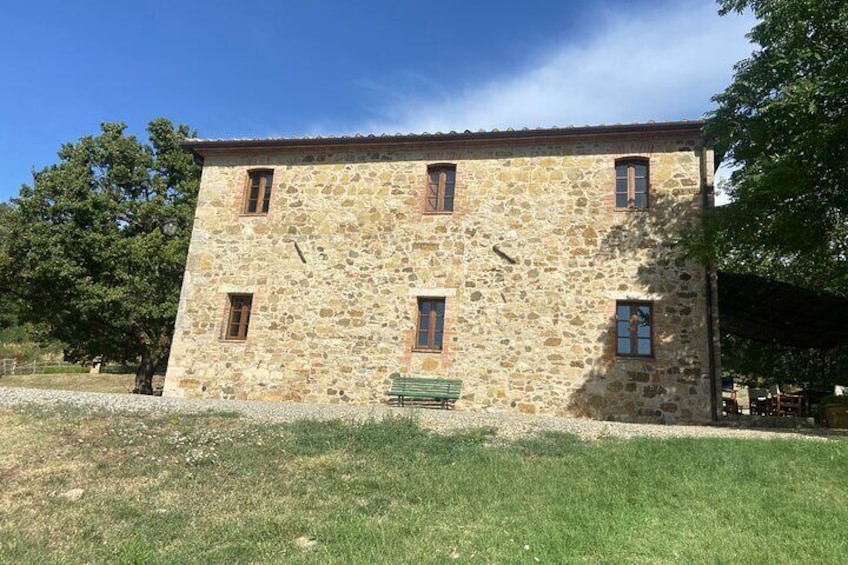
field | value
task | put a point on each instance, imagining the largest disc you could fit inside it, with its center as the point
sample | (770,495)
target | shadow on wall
(672,385)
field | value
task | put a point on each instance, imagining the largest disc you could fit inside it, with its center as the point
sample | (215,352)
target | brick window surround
(631,183)
(257,194)
(430,328)
(238,316)
(634,329)
(441,186)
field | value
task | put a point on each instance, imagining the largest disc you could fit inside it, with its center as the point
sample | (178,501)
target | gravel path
(508,425)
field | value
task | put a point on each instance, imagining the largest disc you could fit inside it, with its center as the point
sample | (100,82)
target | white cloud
(660,65)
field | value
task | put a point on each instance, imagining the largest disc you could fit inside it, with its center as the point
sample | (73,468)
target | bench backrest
(443,387)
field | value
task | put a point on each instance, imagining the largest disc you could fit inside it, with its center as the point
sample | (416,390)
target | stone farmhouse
(541,267)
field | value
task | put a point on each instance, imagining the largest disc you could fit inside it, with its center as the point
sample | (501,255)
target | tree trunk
(144,374)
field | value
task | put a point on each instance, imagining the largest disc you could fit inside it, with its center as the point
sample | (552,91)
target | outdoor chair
(758,401)
(730,404)
(788,404)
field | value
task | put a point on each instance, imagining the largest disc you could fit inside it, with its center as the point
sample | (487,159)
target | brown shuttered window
(441,182)
(631,183)
(238,319)
(258,195)
(634,328)
(431,324)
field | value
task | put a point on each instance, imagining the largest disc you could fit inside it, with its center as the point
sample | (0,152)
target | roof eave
(693,127)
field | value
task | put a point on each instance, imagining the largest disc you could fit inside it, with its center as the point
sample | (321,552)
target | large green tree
(783,123)
(98,243)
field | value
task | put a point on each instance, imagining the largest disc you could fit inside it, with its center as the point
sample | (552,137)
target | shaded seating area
(774,402)
(770,311)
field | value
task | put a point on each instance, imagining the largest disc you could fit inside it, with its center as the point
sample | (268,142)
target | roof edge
(524,135)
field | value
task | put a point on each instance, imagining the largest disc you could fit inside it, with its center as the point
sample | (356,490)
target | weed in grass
(32,411)
(550,445)
(208,413)
(474,436)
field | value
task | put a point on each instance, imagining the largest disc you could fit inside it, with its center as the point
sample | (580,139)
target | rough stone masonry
(531,263)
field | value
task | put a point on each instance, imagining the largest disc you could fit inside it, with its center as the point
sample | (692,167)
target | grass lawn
(214,488)
(78,381)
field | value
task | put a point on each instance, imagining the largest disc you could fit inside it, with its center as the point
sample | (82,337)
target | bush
(57,369)
(118,369)
(28,351)
(833,400)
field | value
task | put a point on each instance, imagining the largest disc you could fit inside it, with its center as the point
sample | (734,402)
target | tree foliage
(784,123)
(97,245)
(9,317)
(753,362)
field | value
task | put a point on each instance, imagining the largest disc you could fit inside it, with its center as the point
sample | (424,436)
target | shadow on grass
(549,445)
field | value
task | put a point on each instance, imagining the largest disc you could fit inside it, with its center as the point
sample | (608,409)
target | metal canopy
(768,311)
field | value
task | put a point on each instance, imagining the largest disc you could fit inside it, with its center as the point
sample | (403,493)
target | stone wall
(535,336)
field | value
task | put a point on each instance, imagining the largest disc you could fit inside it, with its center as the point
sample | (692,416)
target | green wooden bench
(445,391)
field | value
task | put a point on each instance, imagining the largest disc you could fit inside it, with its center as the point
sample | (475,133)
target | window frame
(244,312)
(441,189)
(435,325)
(633,336)
(263,197)
(630,164)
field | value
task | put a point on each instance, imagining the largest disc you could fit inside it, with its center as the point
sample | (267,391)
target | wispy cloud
(655,65)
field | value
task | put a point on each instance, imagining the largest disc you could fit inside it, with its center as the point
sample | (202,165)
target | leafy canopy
(784,122)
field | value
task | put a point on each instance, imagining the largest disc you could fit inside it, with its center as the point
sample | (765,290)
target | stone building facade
(317,266)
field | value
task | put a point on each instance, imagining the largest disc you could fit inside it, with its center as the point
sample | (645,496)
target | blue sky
(260,69)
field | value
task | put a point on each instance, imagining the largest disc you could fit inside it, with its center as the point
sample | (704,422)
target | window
(634,329)
(239,317)
(431,324)
(631,183)
(258,192)
(441,181)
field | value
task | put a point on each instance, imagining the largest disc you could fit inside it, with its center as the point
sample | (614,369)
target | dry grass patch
(82,382)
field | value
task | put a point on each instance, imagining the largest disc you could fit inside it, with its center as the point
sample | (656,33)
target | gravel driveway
(508,425)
